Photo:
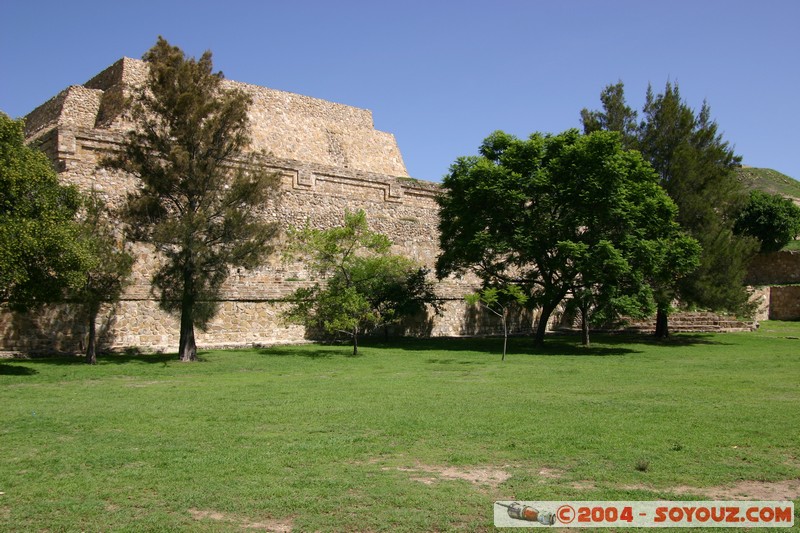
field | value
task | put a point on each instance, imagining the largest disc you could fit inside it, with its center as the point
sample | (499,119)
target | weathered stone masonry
(779,274)
(330,158)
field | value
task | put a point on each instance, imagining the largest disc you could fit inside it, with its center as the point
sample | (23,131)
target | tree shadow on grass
(16,370)
(493,346)
(146,358)
(449,361)
(569,347)
(557,344)
(314,351)
(102,359)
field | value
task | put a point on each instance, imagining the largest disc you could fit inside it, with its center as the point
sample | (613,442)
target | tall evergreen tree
(615,116)
(200,194)
(697,169)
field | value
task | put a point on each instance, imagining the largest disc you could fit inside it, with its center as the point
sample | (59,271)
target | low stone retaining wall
(784,302)
(777,268)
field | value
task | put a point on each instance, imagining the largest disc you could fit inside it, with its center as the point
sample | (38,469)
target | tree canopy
(696,167)
(364,286)
(41,252)
(770,218)
(107,271)
(200,195)
(558,215)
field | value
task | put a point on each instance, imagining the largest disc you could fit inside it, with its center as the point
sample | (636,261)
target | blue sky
(442,75)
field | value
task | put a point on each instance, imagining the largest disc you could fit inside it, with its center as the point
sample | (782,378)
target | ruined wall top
(285,125)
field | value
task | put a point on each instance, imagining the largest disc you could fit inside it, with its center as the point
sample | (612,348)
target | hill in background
(770,181)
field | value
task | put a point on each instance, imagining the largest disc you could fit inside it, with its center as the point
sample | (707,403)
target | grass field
(418,435)
(793,245)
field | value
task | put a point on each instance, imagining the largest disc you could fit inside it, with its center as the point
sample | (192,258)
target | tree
(365,286)
(615,116)
(108,269)
(550,212)
(41,253)
(499,302)
(697,168)
(609,287)
(395,287)
(770,218)
(200,194)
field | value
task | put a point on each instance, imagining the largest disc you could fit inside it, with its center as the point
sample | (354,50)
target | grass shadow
(102,359)
(16,370)
(554,345)
(314,351)
(621,343)
(443,361)
(558,343)
(569,347)
(145,358)
(674,340)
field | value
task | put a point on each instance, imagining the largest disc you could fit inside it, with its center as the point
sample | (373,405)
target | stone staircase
(695,322)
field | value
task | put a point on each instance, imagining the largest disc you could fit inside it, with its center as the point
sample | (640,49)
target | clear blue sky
(442,75)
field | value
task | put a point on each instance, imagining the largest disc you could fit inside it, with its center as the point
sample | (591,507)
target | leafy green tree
(499,302)
(365,286)
(200,194)
(770,218)
(549,213)
(395,287)
(609,286)
(697,168)
(107,272)
(670,266)
(41,253)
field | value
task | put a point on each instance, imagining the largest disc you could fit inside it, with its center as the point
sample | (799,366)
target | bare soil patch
(788,489)
(551,473)
(274,526)
(430,474)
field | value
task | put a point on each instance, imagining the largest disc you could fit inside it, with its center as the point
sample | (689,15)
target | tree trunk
(541,327)
(91,350)
(187,348)
(355,341)
(662,323)
(584,326)
(505,334)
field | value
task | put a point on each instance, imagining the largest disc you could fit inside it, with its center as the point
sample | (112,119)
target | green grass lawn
(793,245)
(417,435)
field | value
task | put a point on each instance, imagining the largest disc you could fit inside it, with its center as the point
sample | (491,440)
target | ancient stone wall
(283,125)
(784,302)
(776,268)
(780,273)
(330,159)
(76,106)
